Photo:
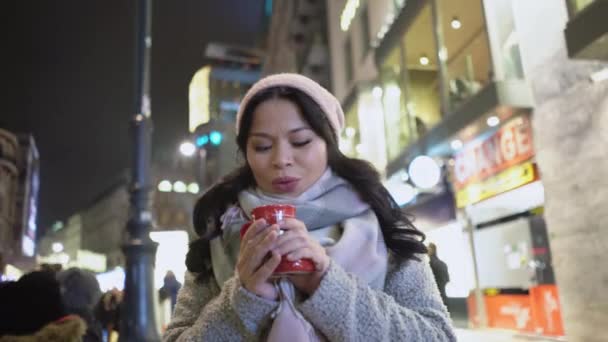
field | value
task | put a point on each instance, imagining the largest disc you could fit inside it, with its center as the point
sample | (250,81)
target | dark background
(69,81)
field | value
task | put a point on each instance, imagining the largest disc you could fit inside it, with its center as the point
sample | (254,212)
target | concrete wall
(571,138)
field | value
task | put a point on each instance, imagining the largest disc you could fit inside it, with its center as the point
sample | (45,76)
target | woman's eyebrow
(269,136)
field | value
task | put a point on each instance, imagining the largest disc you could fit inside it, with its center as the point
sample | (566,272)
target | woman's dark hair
(400,235)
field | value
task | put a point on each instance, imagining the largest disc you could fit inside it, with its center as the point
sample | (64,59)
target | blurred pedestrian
(80,294)
(32,310)
(170,288)
(368,282)
(440,271)
(108,312)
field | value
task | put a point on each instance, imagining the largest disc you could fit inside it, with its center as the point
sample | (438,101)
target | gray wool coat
(343,308)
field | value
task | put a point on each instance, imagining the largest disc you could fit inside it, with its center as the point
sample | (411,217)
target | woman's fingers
(300,253)
(290,241)
(291,224)
(256,252)
(255,229)
(317,255)
(257,239)
(265,271)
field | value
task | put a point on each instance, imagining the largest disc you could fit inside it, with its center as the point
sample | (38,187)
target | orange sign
(480,159)
(538,312)
(546,310)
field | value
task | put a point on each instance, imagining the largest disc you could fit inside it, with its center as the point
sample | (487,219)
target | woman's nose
(282,157)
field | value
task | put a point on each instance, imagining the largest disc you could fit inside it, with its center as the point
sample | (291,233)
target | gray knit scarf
(336,216)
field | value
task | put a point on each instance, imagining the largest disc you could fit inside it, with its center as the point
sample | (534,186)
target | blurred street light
(57,247)
(187,149)
(193,188)
(179,186)
(164,186)
(424,172)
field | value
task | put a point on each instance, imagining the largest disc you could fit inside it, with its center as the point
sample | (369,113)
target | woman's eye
(301,143)
(261,148)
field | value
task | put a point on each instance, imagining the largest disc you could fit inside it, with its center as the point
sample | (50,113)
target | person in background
(80,293)
(31,310)
(370,282)
(107,312)
(440,271)
(170,288)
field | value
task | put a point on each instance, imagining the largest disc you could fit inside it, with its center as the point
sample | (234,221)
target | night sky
(68,79)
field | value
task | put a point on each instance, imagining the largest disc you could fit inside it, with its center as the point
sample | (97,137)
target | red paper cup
(273,214)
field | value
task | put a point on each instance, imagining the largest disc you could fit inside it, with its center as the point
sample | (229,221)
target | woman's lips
(285,184)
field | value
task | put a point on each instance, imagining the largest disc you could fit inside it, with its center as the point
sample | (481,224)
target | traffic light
(202,140)
(215,137)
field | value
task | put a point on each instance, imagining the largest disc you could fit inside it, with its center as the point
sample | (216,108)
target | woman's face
(284,153)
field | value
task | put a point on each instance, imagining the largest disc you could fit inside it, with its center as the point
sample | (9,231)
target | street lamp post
(138,321)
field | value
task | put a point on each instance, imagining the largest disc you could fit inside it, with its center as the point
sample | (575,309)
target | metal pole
(138,321)
(481,318)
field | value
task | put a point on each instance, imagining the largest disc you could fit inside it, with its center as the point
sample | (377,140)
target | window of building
(348,62)
(466,49)
(396,117)
(423,81)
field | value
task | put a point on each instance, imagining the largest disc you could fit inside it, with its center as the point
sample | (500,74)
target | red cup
(273,214)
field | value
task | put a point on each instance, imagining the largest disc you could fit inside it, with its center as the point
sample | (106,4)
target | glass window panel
(423,101)
(504,40)
(467,52)
(393,102)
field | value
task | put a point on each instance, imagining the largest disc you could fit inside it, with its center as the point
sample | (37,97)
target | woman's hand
(257,261)
(295,243)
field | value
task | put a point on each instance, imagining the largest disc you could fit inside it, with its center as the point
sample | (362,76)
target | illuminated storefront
(497,187)
(453,80)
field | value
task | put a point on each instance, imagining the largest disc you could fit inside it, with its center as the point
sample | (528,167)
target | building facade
(19,185)
(215,94)
(298,41)
(9,175)
(442,97)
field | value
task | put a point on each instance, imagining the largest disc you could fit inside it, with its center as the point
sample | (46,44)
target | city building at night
(298,41)
(19,186)
(215,94)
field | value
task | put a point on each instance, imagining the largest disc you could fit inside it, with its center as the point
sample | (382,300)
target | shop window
(348,62)
(466,50)
(423,81)
(504,41)
(396,117)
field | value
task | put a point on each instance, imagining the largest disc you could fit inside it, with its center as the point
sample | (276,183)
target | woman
(370,283)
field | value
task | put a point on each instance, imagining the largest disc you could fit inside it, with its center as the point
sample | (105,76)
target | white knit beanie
(328,102)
